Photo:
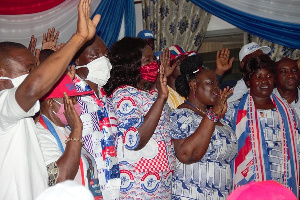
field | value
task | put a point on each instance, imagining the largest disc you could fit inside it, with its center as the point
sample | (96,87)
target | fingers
(56,37)
(72,72)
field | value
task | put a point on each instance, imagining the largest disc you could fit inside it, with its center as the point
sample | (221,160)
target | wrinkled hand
(223,63)
(161,84)
(220,106)
(72,117)
(86,28)
(35,52)
(50,40)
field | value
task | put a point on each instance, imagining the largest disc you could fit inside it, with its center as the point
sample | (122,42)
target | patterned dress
(211,177)
(146,173)
(270,123)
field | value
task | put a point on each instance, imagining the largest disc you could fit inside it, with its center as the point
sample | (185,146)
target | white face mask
(99,70)
(15,81)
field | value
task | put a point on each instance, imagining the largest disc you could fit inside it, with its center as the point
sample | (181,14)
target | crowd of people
(130,123)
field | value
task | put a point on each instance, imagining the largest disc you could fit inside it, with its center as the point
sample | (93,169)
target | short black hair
(188,70)
(262,61)
(45,53)
(126,58)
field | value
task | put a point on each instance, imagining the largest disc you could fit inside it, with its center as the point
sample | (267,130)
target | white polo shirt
(23,174)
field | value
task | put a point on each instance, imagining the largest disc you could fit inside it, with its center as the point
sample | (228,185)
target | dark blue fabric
(283,33)
(112,12)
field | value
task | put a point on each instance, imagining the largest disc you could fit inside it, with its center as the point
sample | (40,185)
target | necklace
(201,111)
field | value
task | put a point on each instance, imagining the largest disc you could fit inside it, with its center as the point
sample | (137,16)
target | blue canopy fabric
(282,28)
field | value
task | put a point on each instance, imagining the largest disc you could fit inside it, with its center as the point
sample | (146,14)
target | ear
(192,85)
(76,62)
(248,84)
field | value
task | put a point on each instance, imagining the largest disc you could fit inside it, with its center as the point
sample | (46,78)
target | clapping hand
(220,106)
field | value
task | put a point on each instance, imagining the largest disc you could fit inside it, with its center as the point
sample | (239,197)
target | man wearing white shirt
(23,173)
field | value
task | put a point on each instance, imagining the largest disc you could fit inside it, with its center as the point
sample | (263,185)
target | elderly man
(23,173)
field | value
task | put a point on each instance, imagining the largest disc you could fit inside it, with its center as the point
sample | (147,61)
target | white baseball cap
(250,48)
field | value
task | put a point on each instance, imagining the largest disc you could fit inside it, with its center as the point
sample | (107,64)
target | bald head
(5,52)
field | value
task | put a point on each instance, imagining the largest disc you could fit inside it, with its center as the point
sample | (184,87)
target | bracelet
(212,116)
(74,139)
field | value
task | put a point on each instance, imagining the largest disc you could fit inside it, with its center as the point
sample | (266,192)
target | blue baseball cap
(145,34)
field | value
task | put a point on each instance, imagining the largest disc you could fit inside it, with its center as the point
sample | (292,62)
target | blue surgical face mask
(15,81)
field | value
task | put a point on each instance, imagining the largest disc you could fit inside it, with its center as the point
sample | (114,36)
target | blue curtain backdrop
(112,12)
(283,31)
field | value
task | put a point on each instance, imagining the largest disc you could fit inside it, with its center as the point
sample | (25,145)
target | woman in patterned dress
(145,151)
(265,128)
(203,143)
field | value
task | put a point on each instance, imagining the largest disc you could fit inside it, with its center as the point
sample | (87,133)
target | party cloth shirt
(295,104)
(272,142)
(210,178)
(99,133)
(23,173)
(145,173)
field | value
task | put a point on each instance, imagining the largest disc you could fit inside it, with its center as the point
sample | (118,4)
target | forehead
(263,71)
(147,51)
(20,59)
(287,63)
(97,45)
(206,74)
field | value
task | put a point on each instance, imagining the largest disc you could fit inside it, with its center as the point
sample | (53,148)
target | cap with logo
(64,85)
(145,34)
(250,48)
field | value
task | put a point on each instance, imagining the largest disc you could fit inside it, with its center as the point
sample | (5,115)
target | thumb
(96,20)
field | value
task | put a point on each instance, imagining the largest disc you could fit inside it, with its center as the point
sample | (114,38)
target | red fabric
(18,7)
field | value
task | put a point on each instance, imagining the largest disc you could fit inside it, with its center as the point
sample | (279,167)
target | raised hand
(161,84)
(223,63)
(86,28)
(220,106)
(72,117)
(50,40)
(165,59)
(35,52)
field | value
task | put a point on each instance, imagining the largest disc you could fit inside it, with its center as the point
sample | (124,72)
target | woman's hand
(220,106)
(161,83)
(72,117)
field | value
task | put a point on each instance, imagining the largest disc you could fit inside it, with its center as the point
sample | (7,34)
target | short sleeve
(50,149)
(10,111)
(129,114)
(182,123)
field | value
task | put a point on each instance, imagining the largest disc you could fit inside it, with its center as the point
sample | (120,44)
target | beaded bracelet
(212,115)
(74,139)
